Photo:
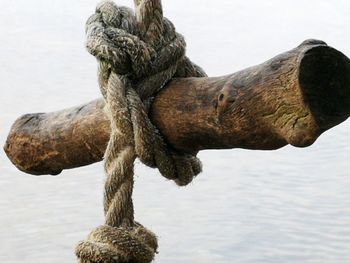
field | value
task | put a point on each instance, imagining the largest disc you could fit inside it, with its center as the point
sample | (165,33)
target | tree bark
(291,99)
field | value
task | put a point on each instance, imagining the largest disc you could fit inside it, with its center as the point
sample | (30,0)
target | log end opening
(324,77)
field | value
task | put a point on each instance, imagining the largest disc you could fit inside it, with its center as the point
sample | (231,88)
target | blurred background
(289,205)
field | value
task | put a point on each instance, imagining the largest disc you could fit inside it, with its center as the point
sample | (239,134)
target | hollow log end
(322,95)
(324,78)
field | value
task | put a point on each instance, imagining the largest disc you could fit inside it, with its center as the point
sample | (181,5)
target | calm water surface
(290,205)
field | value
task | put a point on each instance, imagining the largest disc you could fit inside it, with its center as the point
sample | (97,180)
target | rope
(138,54)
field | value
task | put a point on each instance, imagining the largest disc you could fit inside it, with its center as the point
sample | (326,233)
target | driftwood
(291,99)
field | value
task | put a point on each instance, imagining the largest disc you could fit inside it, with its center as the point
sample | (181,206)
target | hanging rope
(138,54)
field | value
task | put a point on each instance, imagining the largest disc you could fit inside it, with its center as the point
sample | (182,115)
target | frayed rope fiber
(138,53)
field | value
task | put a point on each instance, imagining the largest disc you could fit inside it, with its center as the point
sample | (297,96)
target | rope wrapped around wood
(137,53)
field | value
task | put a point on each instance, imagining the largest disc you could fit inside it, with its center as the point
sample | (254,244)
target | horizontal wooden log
(291,99)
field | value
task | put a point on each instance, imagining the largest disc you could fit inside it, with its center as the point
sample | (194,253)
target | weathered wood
(290,99)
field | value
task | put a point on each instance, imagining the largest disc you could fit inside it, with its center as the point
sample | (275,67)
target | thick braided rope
(137,55)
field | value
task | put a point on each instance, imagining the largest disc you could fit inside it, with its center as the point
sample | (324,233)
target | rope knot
(138,54)
(117,245)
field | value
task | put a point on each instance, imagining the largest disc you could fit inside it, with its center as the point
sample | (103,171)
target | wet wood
(291,99)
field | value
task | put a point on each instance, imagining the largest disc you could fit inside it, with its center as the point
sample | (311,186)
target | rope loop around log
(138,54)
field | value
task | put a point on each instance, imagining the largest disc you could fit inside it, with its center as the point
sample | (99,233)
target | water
(290,205)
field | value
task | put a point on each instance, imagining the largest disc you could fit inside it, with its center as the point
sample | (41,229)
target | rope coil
(138,54)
